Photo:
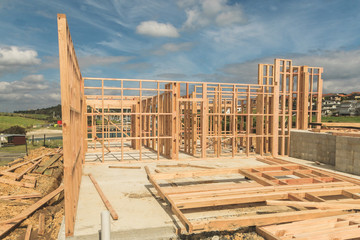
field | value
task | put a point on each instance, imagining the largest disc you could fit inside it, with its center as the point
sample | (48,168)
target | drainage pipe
(105,225)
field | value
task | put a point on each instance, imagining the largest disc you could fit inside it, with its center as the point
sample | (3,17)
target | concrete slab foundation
(141,214)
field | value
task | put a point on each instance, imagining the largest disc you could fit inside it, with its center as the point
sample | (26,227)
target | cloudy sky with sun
(195,40)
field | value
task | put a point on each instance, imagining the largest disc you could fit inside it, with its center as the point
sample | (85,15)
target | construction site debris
(25,187)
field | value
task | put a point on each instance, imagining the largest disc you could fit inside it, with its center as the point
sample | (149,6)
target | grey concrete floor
(141,214)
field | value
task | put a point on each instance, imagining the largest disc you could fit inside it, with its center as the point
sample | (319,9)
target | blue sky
(203,40)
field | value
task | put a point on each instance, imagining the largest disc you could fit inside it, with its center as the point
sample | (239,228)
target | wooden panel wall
(73,107)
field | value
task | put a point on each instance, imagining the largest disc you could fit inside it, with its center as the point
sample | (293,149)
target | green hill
(7,121)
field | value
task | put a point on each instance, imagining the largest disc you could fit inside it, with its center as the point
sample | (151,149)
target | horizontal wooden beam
(319,205)
(253,198)
(260,220)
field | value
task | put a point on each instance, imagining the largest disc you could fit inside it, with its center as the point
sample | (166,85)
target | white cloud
(341,69)
(31,91)
(156,29)
(35,78)
(230,17)
(211,12)
(24,86)
(13,58)
(173,47)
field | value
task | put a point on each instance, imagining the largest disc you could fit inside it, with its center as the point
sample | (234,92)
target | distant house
(348,108)
(333,96)
(329,109)
(357,110)
(353,96)
(15,139)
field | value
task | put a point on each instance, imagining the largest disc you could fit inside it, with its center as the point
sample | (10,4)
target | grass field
(9,121)
(347,119)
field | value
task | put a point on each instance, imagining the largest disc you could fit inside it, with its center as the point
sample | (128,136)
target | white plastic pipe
(105,225)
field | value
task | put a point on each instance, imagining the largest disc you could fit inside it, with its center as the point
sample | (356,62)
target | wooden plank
(19,160)
(260,220)
(28,232)
(174,208)
(41,169)
(213,172)
(330,174)
(256,178)
(189,174)
(41,229)
(184,165)
(242,198)
(313,198)
(262,231)
(204,120)
(22,164)
(14,175)
(16,183)
(275,109)
(125,167)
(23,196)
(316,223)
(242,188)
(348,232)
(341,124)
(29,169)
(7,225)
(319,205)
(104,198)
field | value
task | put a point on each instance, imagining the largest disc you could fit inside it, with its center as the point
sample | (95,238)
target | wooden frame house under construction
(136,119)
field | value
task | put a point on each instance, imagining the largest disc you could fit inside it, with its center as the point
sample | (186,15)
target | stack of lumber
(278,193)
(26,185)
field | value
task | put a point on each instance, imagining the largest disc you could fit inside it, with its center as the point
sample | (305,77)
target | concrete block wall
(339,151)
(313,146)
(348,154)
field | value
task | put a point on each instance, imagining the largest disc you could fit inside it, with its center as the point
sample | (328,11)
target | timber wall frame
(196,119)
(203,119)
(72,107)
